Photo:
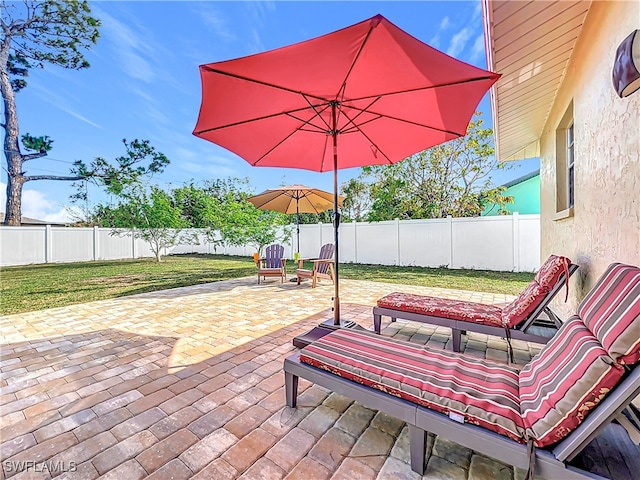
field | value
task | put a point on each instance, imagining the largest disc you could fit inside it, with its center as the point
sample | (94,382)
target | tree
(244,224)
(35,33)
(449,179)
(357,202)
(152,213)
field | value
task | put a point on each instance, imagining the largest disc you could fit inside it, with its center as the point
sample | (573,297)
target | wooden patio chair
(273,264)
(322,266)
(538,418)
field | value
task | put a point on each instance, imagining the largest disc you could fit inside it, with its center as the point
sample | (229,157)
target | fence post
(516,241)
(320,227)
(398,241)
(355,242)
(450,222)
(95,243)
(133,243)
(48,247)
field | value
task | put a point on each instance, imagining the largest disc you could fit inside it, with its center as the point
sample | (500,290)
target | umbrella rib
(259,82)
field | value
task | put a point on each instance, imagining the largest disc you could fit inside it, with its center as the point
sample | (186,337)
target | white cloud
(62,103)
(133,50)
(214,20)
(458,42)
(477,51)
(36,204)
(445,23)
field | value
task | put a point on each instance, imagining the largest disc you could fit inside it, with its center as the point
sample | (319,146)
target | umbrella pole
(298,225)
(336,219)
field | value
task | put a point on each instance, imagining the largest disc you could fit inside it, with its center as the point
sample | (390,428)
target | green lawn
(35,287)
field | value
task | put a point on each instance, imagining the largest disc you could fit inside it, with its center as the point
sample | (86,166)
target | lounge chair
(273,264)
(541,416)
(322,266)
(521,319)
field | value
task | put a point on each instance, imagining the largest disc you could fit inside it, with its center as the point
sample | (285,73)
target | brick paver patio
(188,383)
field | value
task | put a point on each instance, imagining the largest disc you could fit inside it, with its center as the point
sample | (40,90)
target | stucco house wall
(604,225)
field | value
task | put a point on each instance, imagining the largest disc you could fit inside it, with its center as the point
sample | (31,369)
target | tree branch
(29,178)
(32,156)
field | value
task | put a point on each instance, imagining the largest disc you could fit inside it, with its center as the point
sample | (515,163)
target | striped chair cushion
(484,393)
(443,307)
(546,278)
(566,380)
(611,311)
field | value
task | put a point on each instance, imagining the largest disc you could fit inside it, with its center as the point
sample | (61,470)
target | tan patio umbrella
(295,199)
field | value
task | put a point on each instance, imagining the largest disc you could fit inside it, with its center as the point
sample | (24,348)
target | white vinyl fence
(502,243)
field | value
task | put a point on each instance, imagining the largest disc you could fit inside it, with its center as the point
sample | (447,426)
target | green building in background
(526,195)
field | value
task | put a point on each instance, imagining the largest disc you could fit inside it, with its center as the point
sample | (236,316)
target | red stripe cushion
(566,380)
(546,278)
(484,392)
(611,310)
(443,307)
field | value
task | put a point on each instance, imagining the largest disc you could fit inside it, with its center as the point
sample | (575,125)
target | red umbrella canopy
(380,94)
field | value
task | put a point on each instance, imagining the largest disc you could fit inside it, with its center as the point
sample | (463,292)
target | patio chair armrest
(322,260)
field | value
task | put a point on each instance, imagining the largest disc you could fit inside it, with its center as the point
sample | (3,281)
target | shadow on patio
(191,386)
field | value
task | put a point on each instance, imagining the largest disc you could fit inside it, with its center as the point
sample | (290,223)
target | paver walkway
(188,383)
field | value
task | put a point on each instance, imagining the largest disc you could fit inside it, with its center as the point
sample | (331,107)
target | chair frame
(527,330)
(272,272)
(315,275)
(551,462)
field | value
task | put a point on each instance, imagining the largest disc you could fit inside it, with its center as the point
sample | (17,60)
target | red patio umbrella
(369,94)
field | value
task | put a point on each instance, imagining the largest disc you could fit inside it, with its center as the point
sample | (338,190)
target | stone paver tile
(291,449)
(216,383)
(158,384)
(64,425)
(309,469)
(16,445)
(247,421)
(83,471)
(244,383)
(263,469)
(163,451)
(214,399)
(84,403)
(180,401)
(272,383)
(355,419)
(354,469)
(187,383)
(284,420)
(27,425)
(244,453)
(123,451)
(131,470)
(484,468)
(99,386)
(373,447)
(398,470)
(451,451)
(44,451)
(84,451)
(332,448)
(440,469)
(174,422)
(24,403)
(387,423)
(173,470)
(212,421)
(208,449)
(102,424)
(313,396)
(129,385)
(138,423)
(250,396)
(243,369)
(319,421)
(149,401)
(217,369)
(114,403)
(217,470)
(338,402)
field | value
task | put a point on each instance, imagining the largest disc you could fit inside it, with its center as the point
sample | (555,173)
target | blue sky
(144,83)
